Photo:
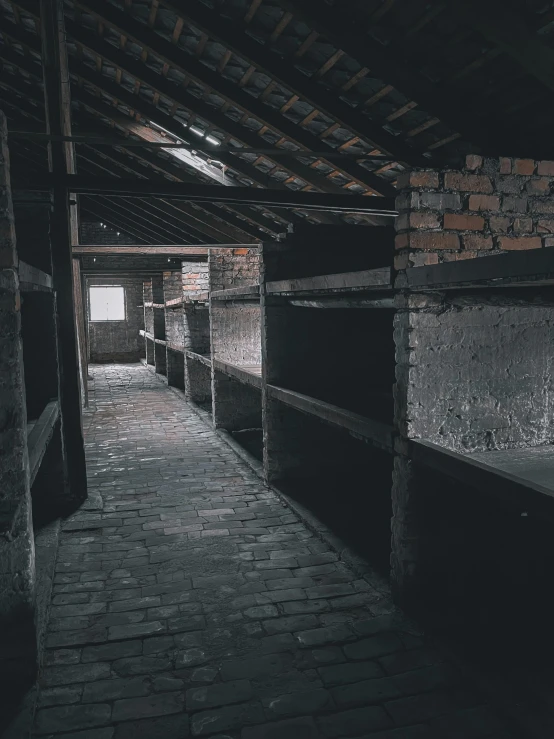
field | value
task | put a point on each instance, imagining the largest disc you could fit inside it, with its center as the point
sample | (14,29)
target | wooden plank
(248,375)
(233,94)
(535,267)
(370,279)
(40,435)
(197,298)
(177,303)
(62,227)
(380,434)
(131,250)
(106,186)
(31,278)
(236,293)
(512,490)
(203,358)
(80,328)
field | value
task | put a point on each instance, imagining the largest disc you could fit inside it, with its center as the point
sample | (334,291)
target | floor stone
(190,601)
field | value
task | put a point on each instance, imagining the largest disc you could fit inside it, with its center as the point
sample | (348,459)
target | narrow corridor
(190,601)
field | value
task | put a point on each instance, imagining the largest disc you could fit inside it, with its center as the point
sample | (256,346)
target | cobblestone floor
(189,601)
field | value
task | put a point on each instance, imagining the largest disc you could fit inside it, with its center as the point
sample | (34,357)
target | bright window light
(197,131)
(107,303)
(212,140)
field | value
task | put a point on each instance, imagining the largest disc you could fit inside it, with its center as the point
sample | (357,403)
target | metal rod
(120,187)
(94,140)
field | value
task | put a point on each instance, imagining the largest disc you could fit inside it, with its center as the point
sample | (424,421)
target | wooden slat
(248,292)
(512,490)
(31,278)
(371,279)
(248,375)
(40,435)
(381,434)
(254,5)
(534,267)
(203,358)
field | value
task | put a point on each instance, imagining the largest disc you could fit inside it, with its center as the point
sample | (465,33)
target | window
(107,303)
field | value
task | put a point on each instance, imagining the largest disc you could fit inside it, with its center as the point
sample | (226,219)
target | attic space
(276,369)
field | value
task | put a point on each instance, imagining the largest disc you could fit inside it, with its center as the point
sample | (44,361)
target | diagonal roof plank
(215,230)
(348,31)
(230,92)
(115,218)
(113,114)
(234,37)
(164,86)
(144,213)
(152,113)
(157,162)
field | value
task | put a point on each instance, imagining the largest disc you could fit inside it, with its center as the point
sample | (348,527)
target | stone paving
(190,601)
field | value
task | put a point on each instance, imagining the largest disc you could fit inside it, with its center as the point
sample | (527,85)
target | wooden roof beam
(232,35)
(389,63)
(204,76)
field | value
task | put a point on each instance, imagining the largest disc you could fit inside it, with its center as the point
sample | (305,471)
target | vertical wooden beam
(61,160)
(80,327)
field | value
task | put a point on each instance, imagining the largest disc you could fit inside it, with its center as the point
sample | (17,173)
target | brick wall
(91,232)
(197,318)
(234,268)
(174,321)
(195,278)
(490,206)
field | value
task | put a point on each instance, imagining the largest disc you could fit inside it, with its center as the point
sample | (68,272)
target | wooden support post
(80,328)
(62,230)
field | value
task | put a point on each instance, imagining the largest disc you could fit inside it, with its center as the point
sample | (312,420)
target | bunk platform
(521,479)
(378,433)
(32,279)
(533,268)
(247,374)
(249,292)
(202,358)
(345,282)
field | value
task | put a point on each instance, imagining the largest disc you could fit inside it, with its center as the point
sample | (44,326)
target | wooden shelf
(177,303)
(203,358)
(39,433)
(520,478)
(248,292)
(346,282)
(32,279)
(197,298)
(380,434)
(247,374)
(517,269)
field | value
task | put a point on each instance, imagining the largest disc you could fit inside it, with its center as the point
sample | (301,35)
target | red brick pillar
(490,206)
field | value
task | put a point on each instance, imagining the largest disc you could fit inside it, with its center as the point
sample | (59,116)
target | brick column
(490,206)
(198,379)
(17,555)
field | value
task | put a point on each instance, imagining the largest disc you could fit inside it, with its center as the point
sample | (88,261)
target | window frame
(107,320)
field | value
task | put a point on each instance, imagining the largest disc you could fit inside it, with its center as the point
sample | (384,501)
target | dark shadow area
(344,481)
(486,575)
(251,440)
